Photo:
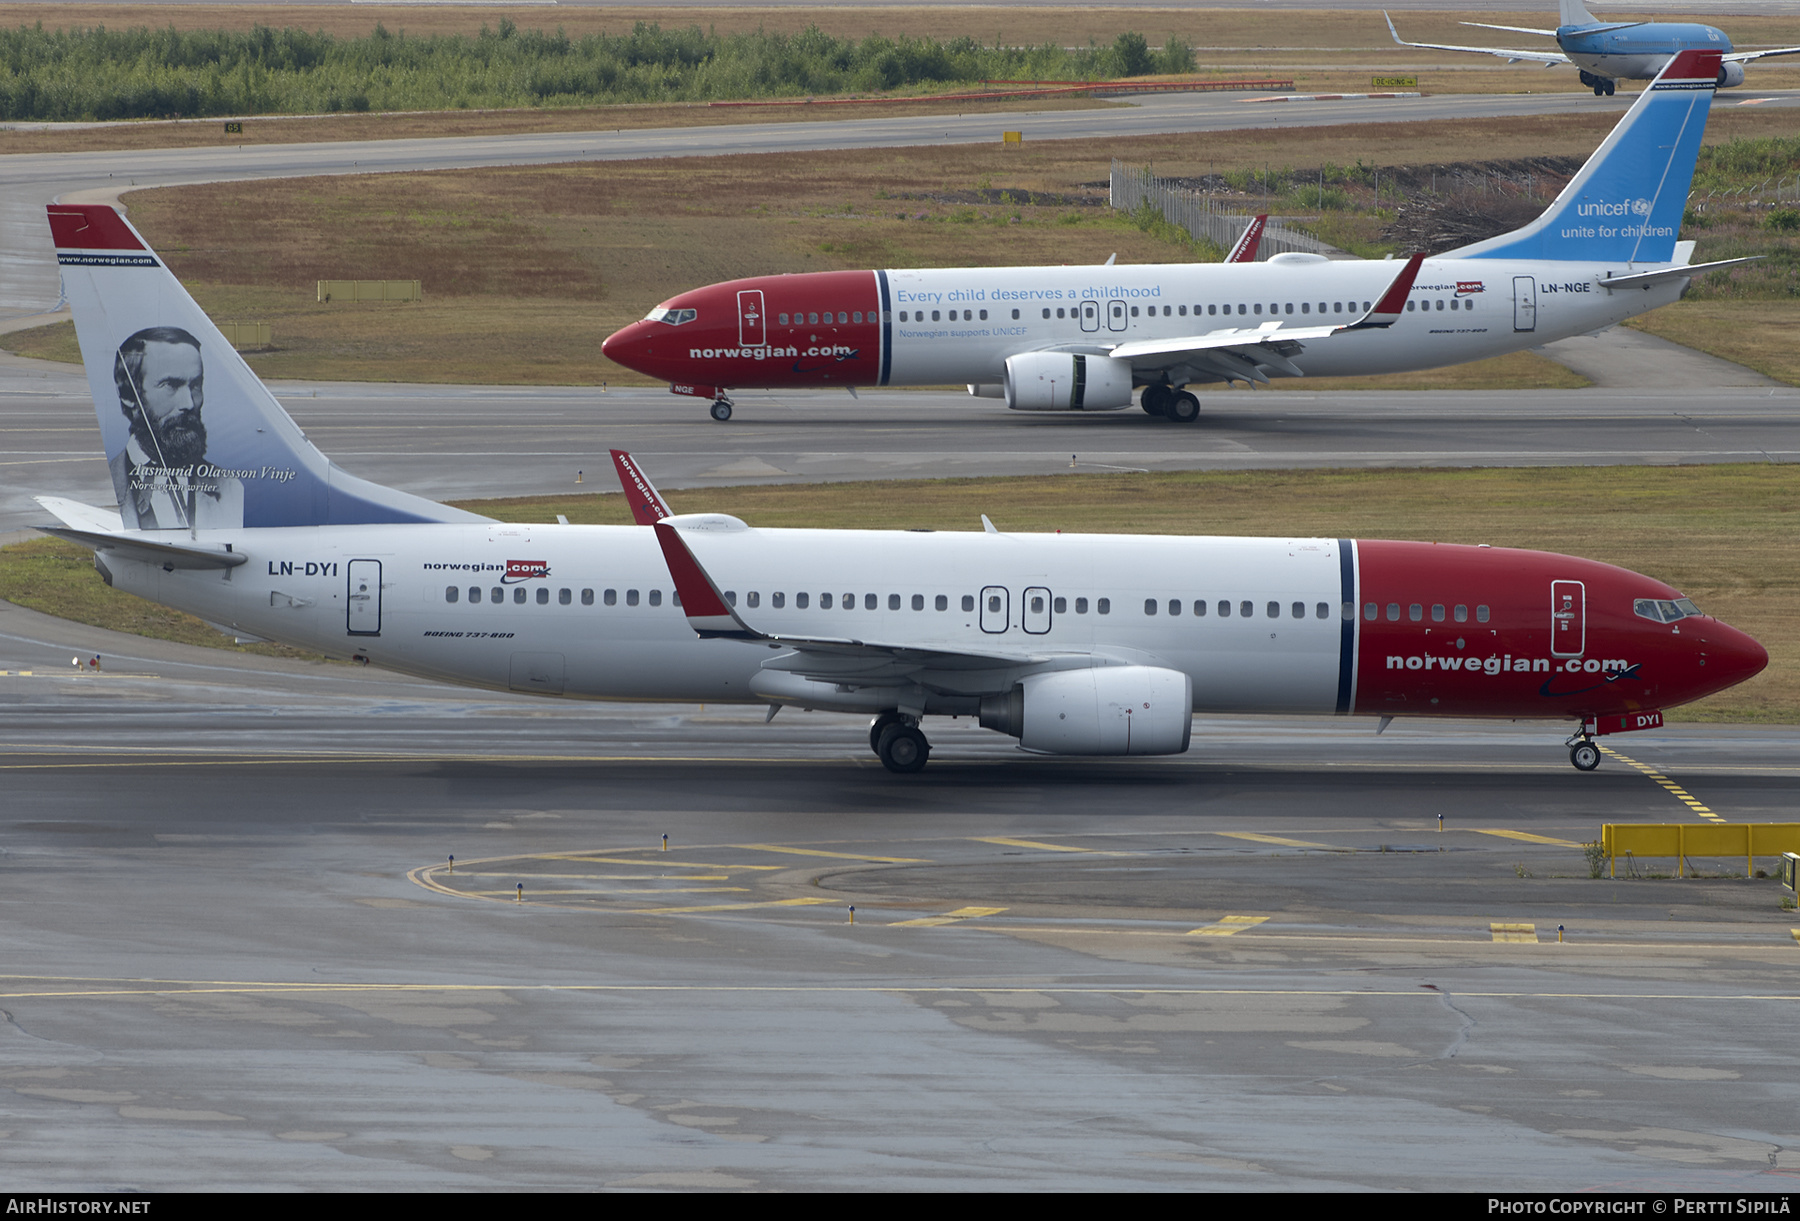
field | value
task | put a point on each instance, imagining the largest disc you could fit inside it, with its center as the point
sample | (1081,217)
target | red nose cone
(1731,656)
(626,347)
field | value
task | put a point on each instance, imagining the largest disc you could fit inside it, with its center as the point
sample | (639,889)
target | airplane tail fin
(193,439)
(1625,205)
(1572,12)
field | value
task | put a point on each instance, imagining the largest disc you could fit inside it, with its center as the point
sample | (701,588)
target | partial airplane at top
(1607,52)
(1074,644)
(1083,338)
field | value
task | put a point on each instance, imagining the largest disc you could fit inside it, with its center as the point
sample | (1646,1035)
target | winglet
(1245,249)
(1387,311)
(647,505)
(707,611)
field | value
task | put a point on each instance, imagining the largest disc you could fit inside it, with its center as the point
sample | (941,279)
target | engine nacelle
(1066,381)
(1730,75)
(1110,710)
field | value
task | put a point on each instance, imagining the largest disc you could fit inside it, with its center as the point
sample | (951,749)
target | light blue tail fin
(193,439)
(1626,203)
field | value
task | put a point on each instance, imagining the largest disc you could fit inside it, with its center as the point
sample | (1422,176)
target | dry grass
(1725,535)
(1757,334)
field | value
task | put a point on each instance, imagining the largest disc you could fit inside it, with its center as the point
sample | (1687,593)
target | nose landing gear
(1584,752)
(721,409)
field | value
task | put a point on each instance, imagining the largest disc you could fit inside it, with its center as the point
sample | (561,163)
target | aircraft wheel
(1585,756)
(1184,408)
(1155,400)
(903,749)
(1611,88)
(879,725)
(721,410)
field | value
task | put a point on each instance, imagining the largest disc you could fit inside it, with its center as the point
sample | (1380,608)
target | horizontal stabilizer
(151,549)
(1644,279)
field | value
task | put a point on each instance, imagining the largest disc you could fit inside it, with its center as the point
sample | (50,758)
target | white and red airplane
(1082,338)
(1074,644)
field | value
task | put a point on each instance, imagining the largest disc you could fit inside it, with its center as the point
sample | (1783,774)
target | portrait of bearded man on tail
(161,475)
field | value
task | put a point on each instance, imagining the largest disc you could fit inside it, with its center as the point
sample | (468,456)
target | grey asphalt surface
(236,957)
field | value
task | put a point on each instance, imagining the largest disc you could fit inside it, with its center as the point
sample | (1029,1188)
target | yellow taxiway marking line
(646,862)
(1005,842)
(842,856)
(727,907)
(545,892)
(1514,932)
(1527,836)
(1273,839)
(1227,926)
(1674,790)
(955,917)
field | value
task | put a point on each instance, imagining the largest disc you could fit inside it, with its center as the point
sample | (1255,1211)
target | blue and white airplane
(1607,52)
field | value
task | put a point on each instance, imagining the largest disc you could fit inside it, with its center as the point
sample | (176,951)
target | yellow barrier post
(452,868)
(853,913)
(1012,137)
(521,895)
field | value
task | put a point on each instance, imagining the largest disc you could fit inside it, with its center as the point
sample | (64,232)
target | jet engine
(1110,710)
(1066,381)
(1730,75)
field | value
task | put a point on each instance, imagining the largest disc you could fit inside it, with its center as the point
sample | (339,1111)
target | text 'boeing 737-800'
(1084,338)
(1073,644)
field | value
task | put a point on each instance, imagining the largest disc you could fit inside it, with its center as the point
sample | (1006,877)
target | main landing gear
(1602,86)
(1584,752)
(1166,402)
(897,741)
(721,409)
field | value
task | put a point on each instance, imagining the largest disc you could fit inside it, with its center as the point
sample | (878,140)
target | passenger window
(1323,611)
(1081,606)
(1437,612)
(518,595)
(565,596)
(1246,609)
(1350,611)
(1369,612)
(984,315)
(968,602)
(631,597)
(1299,609)
(1015,315)
(1415,612)
(587,597)
(1134,311)
(942,602)
(850,602)
(1481,614)
(1046,311)
(812,319)
(778,600)
(1461,613)
(753,599)
(1059,312)
(1059,605)
(824,601)
(1174,606)
(937,315)
(993,603)
(497,594)
(1103,606)
(1199,608)
(870,601)
(452,594)
(1274,610)
(656,598)
(611,597)
(918,602)
(1181,311)
(1224,609)
(474,594)
(800,601)
(543,596)
(1149,606)
(1393,612)
(1306,307)
(1409,307)
(1258,309)
(782,319)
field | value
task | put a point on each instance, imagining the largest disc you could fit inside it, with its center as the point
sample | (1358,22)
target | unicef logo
(1639,207)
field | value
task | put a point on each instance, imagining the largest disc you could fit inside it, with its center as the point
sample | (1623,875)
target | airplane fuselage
(929,327)
(1322,626)
(1637,52)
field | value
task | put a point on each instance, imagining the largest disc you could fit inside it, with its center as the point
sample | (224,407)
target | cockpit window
(1664,611)
(674,317)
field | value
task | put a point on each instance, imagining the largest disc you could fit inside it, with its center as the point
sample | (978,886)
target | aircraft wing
(1237,352)
(1510,55)
(1744,57)
(647,505)
(823,658)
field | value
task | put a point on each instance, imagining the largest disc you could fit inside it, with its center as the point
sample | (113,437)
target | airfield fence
(1202,216)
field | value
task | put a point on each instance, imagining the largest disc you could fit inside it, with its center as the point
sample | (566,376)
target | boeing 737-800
(1071,643)
(1082,338)
(1607,52)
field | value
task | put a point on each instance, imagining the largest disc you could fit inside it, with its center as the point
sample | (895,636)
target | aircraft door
(1115,315)
(1524,303)
(1036,618)
(1568,619)
(996,609)
(750,318)
(1090,315)
(363,616)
